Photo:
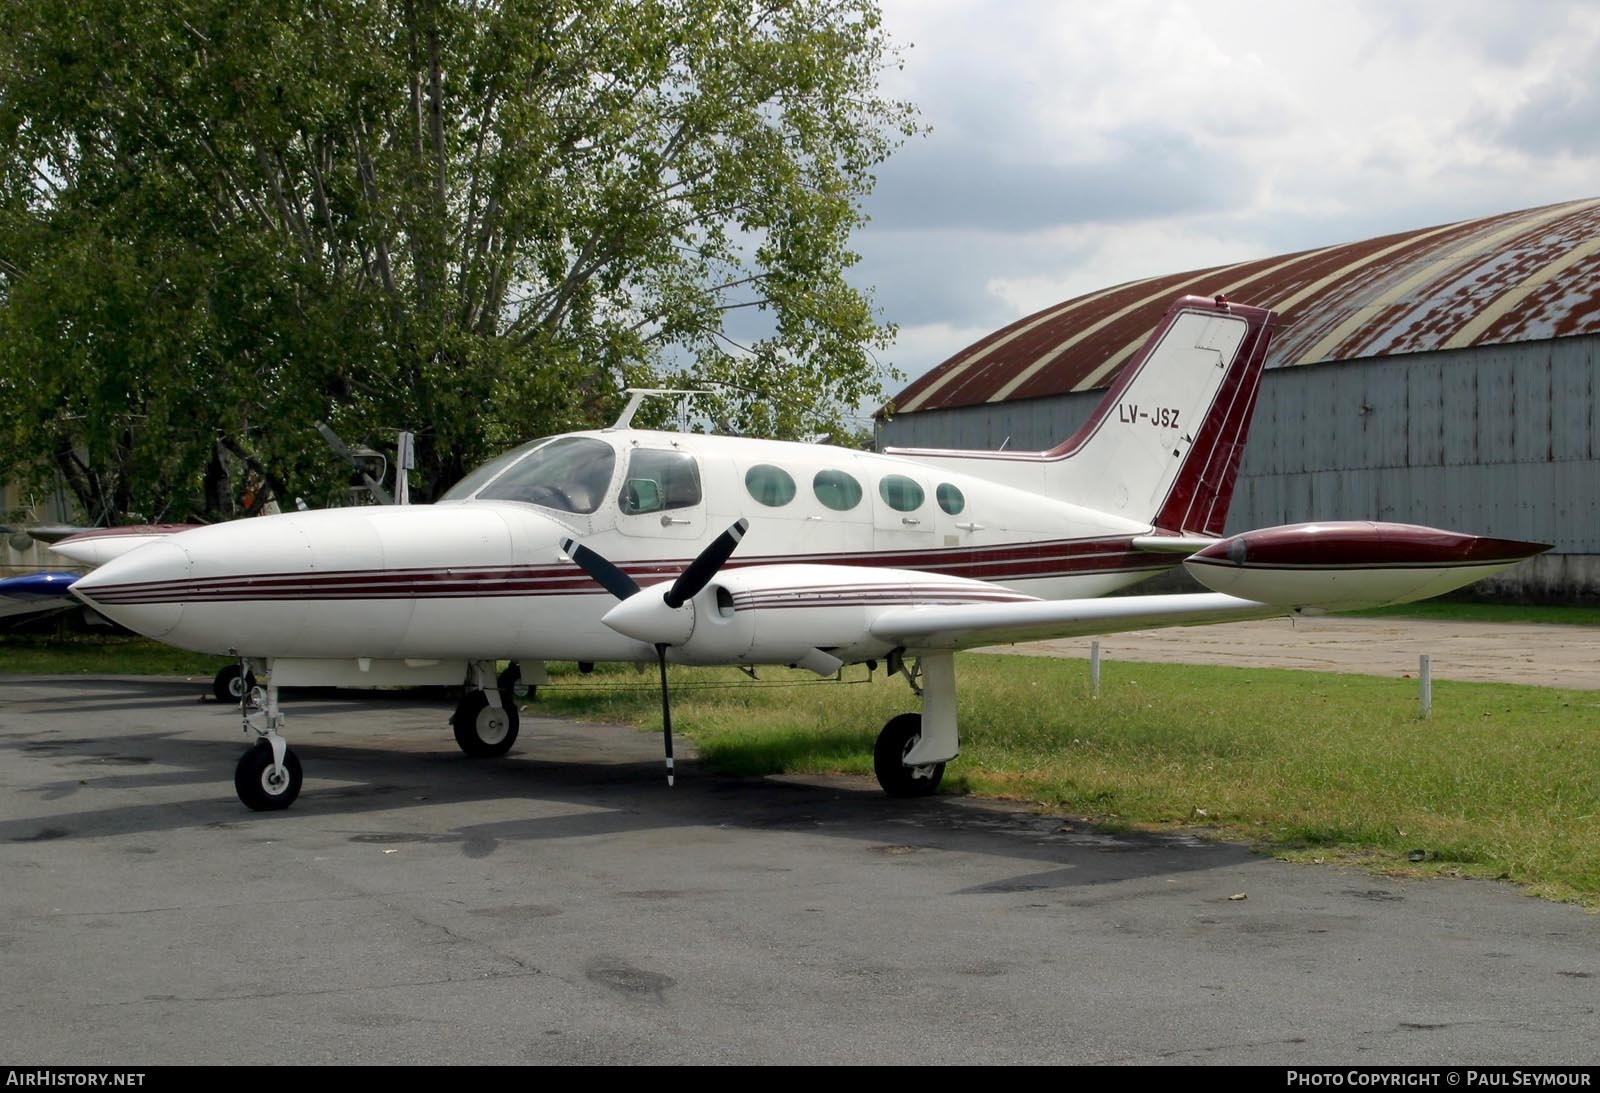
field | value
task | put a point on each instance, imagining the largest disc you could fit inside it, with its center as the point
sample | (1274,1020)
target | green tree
(224,220)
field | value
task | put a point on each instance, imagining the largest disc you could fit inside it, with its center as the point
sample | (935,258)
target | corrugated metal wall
(1498,440)
(1029,425)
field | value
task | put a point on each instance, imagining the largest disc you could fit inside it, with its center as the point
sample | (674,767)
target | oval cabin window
(950,498)
(836,490)
(772,486)
(900,493)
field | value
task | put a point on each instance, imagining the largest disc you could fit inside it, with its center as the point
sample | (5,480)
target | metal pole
(1094,669)
(1425,673)
(405,457)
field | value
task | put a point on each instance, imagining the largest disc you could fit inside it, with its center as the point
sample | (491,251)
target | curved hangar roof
(1514,277)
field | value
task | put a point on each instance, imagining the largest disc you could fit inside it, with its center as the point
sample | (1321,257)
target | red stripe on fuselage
(1024,561)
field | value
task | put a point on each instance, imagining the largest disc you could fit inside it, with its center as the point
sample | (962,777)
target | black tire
(898,737)
(252,779)
(231,684)
(484,731)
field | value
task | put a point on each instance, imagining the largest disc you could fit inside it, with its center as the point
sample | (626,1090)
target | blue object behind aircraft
(35,592)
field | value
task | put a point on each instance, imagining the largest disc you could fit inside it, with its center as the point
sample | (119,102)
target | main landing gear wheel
(231,684)
(259,787)
(484,731)
(896,740)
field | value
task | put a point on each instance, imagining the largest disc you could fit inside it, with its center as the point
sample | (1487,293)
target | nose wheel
(263,784)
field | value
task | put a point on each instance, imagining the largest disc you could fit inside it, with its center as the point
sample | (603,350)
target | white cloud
(1076,145)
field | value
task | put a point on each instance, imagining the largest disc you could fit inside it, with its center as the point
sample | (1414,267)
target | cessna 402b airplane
(619,545)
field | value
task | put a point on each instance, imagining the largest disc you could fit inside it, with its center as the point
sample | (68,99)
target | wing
(822,616)
(1330,566)
(964,626)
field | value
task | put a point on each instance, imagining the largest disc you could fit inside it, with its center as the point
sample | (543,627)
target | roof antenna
(1003,444)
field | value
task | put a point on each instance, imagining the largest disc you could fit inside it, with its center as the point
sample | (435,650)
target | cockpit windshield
(478,476)
(571,474)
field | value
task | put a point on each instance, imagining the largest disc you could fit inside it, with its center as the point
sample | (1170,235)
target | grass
(1500,782)
(97,654)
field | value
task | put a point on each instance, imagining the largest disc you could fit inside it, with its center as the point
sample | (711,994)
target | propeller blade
(608,576)
(704,567)
(666,707)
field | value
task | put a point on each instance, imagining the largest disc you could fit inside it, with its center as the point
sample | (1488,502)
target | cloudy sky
(1077,144)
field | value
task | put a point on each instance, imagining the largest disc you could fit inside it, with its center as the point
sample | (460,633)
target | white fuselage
(478,578)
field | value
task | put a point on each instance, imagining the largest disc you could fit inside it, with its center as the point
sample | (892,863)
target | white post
(1425,674)
(405,457)
(1094,669)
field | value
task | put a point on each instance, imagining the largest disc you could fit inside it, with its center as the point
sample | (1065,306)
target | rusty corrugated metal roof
(1514,277)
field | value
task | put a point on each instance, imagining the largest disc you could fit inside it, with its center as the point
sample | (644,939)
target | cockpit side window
(659,479)
(478,476)
(571,475)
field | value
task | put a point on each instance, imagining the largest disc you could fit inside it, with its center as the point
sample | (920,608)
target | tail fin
(1163,447)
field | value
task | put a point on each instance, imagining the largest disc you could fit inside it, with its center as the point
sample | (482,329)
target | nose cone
(645,616)
(143,590)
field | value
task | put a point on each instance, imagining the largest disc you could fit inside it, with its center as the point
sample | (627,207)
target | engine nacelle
(783,614)
(100,545)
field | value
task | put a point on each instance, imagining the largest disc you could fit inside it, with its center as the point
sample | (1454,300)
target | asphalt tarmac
(564,906)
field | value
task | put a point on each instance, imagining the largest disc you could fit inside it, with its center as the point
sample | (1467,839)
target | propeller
(705,566)
(660,624)
(608,576)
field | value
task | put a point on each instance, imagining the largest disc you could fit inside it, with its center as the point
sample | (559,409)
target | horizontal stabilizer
(1173,544)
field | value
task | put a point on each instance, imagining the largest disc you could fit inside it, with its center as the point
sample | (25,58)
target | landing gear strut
(268,775)
(485,721)
(912,749)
